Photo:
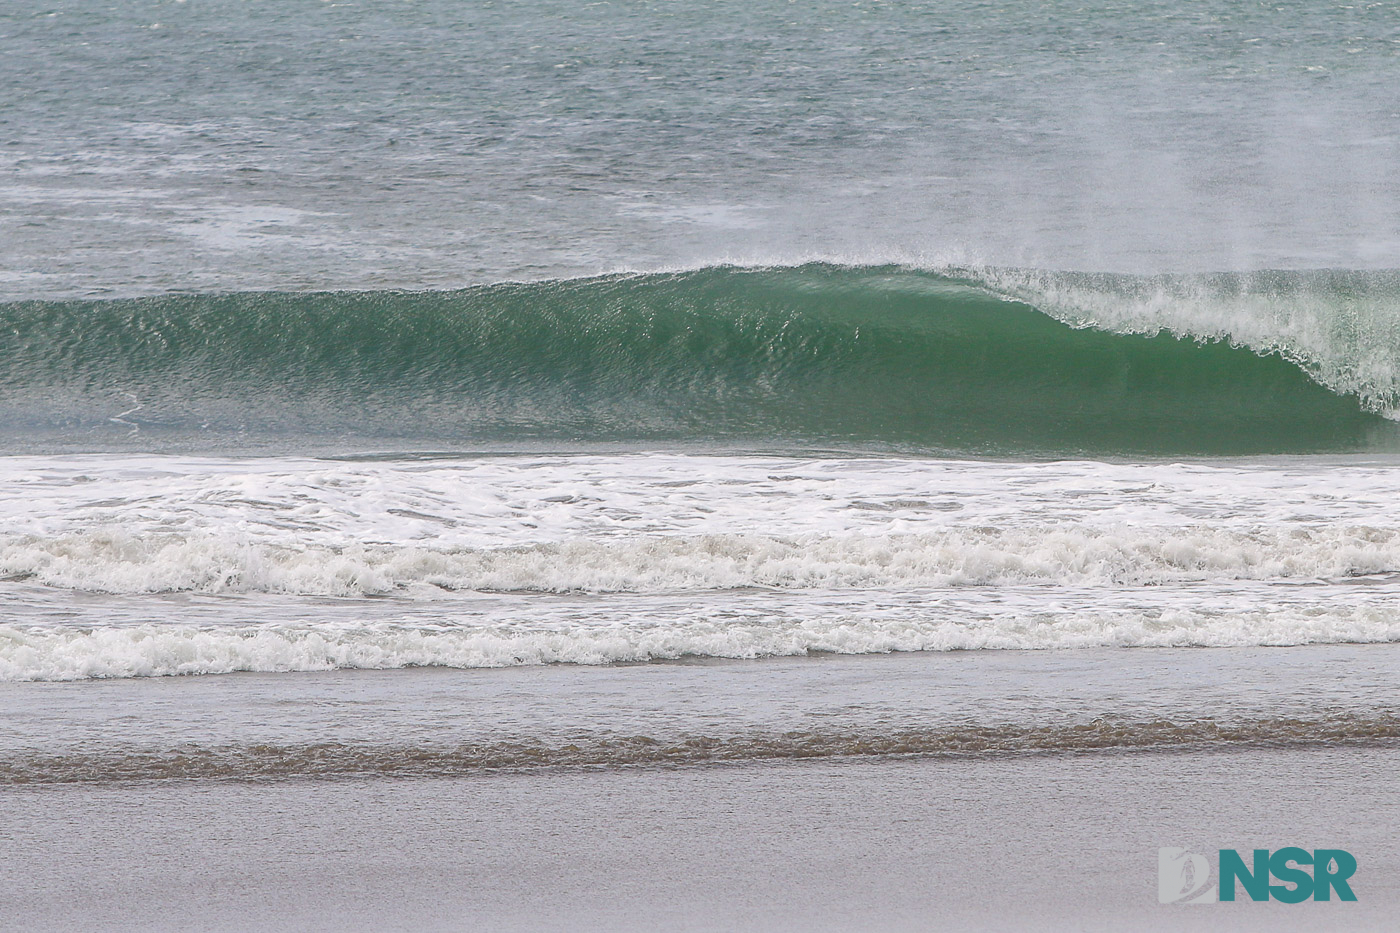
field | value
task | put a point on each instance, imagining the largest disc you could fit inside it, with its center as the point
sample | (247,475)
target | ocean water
(539,392)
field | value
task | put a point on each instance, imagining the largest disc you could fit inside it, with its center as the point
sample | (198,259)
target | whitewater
(138,566)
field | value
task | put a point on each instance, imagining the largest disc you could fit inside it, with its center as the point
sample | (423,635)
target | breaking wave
(987,362)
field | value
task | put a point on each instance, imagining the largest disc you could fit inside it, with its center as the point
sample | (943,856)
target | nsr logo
(1184,877)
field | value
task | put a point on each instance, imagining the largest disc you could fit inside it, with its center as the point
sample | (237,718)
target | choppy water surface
(227,146)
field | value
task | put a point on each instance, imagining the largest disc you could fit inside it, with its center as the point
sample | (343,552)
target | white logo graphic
(1183,877)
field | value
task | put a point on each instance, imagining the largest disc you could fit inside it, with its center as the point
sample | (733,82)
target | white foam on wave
(1342,328)
(111,561)
(734,556)
(657,522)
(161,649)
(528,500)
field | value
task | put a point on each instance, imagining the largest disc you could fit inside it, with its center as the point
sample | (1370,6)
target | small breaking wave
(110,561)
(77,652)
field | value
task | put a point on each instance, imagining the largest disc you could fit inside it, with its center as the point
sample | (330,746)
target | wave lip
(989,362)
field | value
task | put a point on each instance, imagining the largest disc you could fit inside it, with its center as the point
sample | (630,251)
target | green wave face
(814,355)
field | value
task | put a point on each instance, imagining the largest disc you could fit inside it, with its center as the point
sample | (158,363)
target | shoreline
(444,722)
(1034,843)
